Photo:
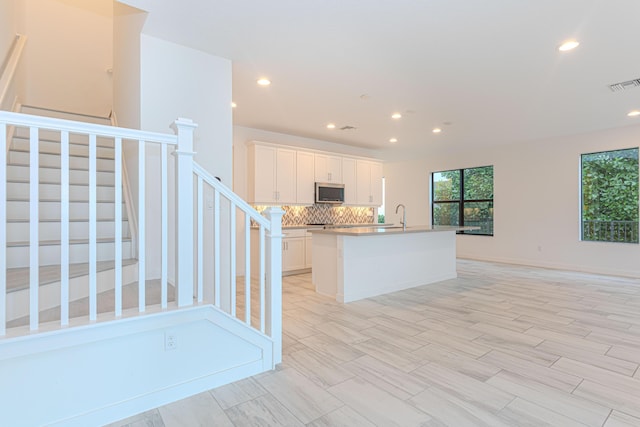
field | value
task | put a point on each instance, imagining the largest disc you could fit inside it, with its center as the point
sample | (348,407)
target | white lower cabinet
(307,250)
(293,253)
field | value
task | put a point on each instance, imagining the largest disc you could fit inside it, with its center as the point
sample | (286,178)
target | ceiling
(486,72)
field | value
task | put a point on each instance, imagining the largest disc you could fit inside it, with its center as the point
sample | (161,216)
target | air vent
(348,128)
(617,87)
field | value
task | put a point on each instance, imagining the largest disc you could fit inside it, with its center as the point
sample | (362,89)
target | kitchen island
(355,263)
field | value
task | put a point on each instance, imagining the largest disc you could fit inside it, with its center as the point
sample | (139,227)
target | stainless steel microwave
(329,193)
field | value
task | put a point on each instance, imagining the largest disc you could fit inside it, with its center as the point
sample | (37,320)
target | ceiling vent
(348,128)
(617,87)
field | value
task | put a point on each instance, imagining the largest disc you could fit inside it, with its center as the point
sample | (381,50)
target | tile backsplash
(324,214)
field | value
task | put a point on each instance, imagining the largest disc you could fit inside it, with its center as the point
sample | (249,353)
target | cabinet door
(349,181)
(376,183)
(263,165)
(363,186)
(321,168)
(304,178)
(335,169)
(293,255)
(286,176)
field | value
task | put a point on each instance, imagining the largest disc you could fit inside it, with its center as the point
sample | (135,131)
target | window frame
(461,201)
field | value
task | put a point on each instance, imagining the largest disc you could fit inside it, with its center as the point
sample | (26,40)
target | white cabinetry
(305,184)
(293,250)
(272,175)
(328,168)
(369,183)
(349,181)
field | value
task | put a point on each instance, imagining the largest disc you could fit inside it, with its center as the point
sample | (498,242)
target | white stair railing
(265,315)
(268,290)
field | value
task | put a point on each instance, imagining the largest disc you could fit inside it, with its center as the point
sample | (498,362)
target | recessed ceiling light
(568,45)
(396,116)
(436,130)
(393,140)
(331,126)
(234,105)
(264,82)
(634,113)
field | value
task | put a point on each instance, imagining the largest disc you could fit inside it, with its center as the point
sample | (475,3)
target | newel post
(184,128)
(273,294)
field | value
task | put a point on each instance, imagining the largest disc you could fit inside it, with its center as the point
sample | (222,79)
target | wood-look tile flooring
(498,346)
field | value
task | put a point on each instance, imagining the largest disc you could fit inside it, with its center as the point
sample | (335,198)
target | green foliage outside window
(610,196)
(464,197)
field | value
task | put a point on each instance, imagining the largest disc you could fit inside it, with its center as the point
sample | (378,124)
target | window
(610,196)
(463,197)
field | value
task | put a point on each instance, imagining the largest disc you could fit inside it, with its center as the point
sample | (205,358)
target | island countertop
(376,231)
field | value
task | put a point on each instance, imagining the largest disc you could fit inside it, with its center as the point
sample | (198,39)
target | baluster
(117,148)
(3,230)
(142,226)
(64,228)
(247,263)
(34,219)
(232,227)
(216,246)
(165,225)
(262,281)
(200,233)
(93,243)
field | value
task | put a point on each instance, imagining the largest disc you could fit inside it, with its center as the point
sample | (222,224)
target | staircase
(18,178)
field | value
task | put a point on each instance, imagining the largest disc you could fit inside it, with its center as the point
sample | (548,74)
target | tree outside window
(463,197)
(610,196)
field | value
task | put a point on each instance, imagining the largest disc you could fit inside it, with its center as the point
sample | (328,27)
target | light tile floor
(498,346)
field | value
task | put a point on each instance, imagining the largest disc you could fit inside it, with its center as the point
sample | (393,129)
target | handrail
(11,66)
(233,197)
(86,128)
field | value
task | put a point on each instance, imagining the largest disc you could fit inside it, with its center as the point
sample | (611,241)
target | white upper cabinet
(328,168)
(349,181)
(305,180)
(272,175)
(369,183)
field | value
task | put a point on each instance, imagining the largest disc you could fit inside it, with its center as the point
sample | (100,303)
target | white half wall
(536,200)
(68,54)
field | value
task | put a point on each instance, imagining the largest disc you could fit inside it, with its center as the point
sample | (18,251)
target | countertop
(377,231)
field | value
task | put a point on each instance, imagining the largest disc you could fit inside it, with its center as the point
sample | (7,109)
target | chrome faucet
(404,216)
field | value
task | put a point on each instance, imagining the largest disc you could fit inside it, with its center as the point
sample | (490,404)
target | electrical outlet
(170,341)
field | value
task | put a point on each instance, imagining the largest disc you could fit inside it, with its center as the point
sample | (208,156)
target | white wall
(176,81)
(68,52)
(10,21)
(536,197)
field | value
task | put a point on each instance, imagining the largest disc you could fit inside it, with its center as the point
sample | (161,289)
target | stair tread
(71,242)
(26,181)
(26,199)
(14,150)
(18,278)
(26,165)
(105,302)
(55,141)
(26,220)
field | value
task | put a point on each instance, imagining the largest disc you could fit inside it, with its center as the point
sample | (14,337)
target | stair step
(65,115)
(49,230)
(80,156)
(26,166)
(51,210)
(53,161)
(48,191)
(18,253)
(106,304)
(53,147)
(18,278)
(71,242)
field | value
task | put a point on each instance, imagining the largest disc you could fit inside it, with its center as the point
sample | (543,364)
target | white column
(274,281)
(184,211)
